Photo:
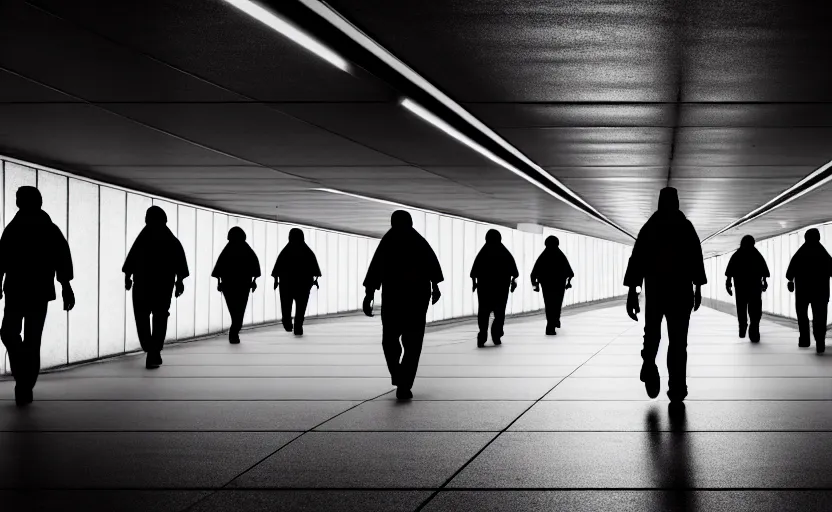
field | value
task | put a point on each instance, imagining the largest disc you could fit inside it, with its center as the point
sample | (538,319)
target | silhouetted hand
(276,283)
(128,283)
(790,286)
(253,285)
(765,284)
(633,308)
(180,289)
(68,296)
(513,286)
(568,284)
(435,295)
(697,298)
(536,286)
(368,305)
(316,284)
(728,287)
(219,286)
(474,288)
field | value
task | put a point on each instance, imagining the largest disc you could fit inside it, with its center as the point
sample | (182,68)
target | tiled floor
(539,423)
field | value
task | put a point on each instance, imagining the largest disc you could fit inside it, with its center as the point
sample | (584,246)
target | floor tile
(312,501)
(427,388)
(93,501)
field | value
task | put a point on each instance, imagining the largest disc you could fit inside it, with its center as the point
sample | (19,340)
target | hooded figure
(553,272)
(295,271)
(237,270)
(667,259)
(808,274)
(748,269)
(494,273)
(157,265)
(405,267)
(33,253)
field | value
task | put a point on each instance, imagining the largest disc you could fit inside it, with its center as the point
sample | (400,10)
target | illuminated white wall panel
(112,310)
(53,350)
(201,278)
(266,281)
(185,312)
(83,244)
(218,320)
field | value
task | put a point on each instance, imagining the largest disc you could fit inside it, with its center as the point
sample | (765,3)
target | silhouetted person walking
(237,270)
(748,269)
(494,273)
(667,259)
(33,253)
(553,272)
(295,271)
(155,267)
(405,267)
(808,275)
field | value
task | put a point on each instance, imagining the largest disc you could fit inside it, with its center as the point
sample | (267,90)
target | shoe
(22,396)
(403,394)
(153,361)
(803,344)
(557,324)
(496,340)
(650,377)
(743,329)
(481,339)
(820,346)
(551,332)
(287,327)
(234,340)
(754,335)
(298,330)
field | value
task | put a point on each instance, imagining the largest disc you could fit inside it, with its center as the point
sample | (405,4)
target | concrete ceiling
(728,101)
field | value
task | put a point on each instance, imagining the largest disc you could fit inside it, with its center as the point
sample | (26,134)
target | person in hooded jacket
(553,272)
(808,274)
(155,267)
(237,270)
(749,271)
(494,274)
(667,259)
(406,269)
(33,254)
(295,272)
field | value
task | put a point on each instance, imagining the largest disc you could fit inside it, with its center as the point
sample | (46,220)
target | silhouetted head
(296,235)
(29,198)
(668,200)
(155,216)
(747,242)
(401,219)
(812,235)
(493,237)
(236,234)
(552,242)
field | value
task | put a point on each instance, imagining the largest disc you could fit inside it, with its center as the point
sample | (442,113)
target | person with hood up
(553,272)
(33,254)
(748,269)
(406,269)
(667,260)
(295,271)
(237,270)
(155,267)
(808,274)
(494,274)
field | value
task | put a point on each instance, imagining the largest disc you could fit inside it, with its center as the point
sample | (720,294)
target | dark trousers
(553,302)
(299,295)
(749,304)
(674,304)
(155,301)
(236,298)
(24,353)
(818,318)
(492,300)
(408,324)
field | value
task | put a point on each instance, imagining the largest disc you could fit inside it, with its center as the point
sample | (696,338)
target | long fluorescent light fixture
(790,194)
(287,29)
(393,203)
(338,21)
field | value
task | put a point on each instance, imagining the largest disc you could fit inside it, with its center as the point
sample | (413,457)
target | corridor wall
(778,252)
(102,221)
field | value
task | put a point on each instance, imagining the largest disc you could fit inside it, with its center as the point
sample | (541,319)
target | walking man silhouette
(494,274)
(237,270)
(295,271)
(406,269)
(808,274)
(33,253)
(155,267)
(553,272)
(748,269)
(667,259)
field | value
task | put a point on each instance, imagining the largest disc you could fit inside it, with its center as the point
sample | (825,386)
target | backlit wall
(102,221)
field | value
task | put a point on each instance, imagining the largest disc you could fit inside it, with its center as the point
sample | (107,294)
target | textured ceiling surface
(730,101)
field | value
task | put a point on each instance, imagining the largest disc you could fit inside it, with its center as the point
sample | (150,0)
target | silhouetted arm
(63,268)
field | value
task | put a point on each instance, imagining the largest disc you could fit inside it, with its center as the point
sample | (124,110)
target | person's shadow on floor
(673,469)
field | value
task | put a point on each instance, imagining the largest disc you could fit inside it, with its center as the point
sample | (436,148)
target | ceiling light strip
(289,30)
(814,180)
(338,21)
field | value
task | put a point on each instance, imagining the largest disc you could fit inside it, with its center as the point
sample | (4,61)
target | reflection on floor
(539,423)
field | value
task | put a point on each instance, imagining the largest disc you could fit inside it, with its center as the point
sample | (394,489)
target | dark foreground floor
(540,423)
